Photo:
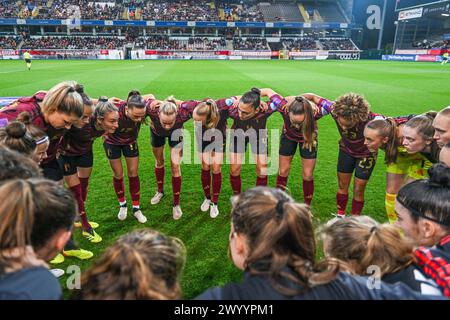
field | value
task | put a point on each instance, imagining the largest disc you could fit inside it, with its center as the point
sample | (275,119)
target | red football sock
(159,174)
(76,191)
(135,190)
(341,200)
(176,187)
(261,181)
(216,186)
(84,187)
(119,189)
(206,183)
(357,207)
(236,184)
(282,182)
(308,191)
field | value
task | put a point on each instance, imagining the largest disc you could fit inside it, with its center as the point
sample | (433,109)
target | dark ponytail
(16,130)
(86,100)
(135,100)
(36,133)
(252,97)
(439,176)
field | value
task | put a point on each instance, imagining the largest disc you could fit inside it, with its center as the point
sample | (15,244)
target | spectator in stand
(337,44)
(74,43)
(259,44)
(63,9)
(9,42)
(179,10)
(300,44)
(244,12)
(193,43)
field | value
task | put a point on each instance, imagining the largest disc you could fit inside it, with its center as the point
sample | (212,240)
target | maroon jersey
(78,141)
(31,105)
(201,131)
(403,119)
(184,113)
(292,133)
(128,130)
(223,115)
(258,122)
(352,140)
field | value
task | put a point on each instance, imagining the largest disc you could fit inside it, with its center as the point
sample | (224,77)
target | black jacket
(344,287)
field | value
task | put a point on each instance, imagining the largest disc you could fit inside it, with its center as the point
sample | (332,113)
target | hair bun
(79,88)
(25,118)
(16,130)
(430,114)
(134,93)
(439,175)
(103,99)
(256,90)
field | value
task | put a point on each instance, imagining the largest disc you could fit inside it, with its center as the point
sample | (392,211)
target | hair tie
(103,100)
(279,207)
(373,229)
(71,90)
(42,140)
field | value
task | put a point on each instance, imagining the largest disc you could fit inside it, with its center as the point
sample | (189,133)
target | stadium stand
(238,12)
(250,44)
(299,44)
(9,42)
(51,9)
(74,43)
(194,43)
(179,10)
(330,12)
(337,44)
(284,11)
(165,42)
(173,10)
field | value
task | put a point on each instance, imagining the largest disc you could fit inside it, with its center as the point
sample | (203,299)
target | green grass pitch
(392,88)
